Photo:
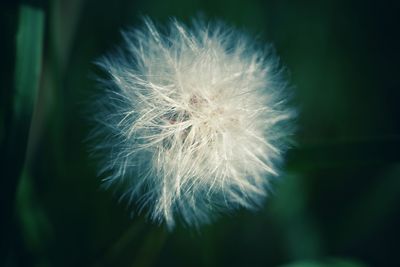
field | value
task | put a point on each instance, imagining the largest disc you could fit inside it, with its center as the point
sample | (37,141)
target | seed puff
(193,121)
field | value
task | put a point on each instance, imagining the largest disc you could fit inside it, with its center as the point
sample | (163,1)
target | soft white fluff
(193,120)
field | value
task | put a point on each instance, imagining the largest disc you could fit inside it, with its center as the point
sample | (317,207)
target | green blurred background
(335,205)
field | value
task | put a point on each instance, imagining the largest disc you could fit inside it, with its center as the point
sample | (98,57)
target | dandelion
(193,122)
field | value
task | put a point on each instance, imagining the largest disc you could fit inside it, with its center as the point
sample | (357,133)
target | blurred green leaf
(29,49)
(373,208)
(303,239)
(326,263)
(34,222)
(29,60)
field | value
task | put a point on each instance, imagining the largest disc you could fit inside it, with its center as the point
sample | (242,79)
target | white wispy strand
(193,121)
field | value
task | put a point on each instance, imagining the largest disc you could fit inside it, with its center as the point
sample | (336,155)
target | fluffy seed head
(193,120)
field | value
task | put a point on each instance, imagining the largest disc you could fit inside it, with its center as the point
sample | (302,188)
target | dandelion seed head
(193,121)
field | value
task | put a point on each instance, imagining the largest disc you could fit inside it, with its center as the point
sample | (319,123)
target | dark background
(337,203)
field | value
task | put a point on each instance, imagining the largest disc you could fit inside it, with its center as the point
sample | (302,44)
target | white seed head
(193,121)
